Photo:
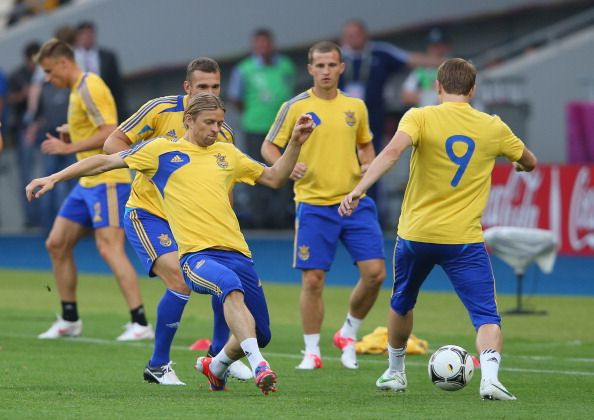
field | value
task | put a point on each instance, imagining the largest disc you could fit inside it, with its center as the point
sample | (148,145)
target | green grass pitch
(548,361)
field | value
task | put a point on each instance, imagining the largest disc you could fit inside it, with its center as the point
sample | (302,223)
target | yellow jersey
(330,153)
(158,117)
(193,184)
(454,151)
(90,106)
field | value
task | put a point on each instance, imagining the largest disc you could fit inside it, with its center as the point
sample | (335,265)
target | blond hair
(202,102)
(54,48)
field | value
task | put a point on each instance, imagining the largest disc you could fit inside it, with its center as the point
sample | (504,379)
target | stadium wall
(273,255)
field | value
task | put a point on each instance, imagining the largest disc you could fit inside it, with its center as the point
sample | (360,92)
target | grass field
(548,361)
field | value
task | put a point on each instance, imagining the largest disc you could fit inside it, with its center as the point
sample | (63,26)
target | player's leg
(413,262)
(207,273)
(362,236)
(316,238)
(470,272)
(69,226)
(107,203)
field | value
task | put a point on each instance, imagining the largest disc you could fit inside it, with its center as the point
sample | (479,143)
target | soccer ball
(450,368)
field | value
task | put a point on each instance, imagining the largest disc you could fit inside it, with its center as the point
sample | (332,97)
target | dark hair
(324,47)
(203,64)
(66,33)
(31,49)
(457,76)
(85,24)
(263,32)
(54,48)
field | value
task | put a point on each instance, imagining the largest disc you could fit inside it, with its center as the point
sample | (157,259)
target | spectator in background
(368,65)
(19,87)
(1,139)
(419,87)
(101,61)
(258,87)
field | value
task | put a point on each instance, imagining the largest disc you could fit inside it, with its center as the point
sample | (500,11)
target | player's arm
(116,142)
(380,165)
(366,154)
(276,175)
(271,153)
(54,146)
(527,162)
(92,165)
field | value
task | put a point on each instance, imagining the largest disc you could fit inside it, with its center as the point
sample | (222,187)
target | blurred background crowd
(535,60)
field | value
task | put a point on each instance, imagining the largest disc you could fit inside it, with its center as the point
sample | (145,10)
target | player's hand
(303,128)
(298,171)
(64,132)
(38,187)
(54,146)
(349,203)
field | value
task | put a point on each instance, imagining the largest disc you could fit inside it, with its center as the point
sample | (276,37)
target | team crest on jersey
(171,133)
(164,239)
(304,253)
(97,210)
(221,161)
(350,118)
(176,159)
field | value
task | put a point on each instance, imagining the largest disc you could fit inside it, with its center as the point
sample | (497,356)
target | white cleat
(240,371)
(135,332)
(349,356)
(392,382)
(61,328)
(494,390)
(162,375)
(310,362)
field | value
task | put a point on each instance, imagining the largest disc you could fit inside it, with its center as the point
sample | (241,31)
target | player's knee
(313,281)
(375,276)
(172,277)
(56,248)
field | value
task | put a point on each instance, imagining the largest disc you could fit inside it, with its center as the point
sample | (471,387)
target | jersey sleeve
(510,145)
(143,157)
(98,101)
(247,170)
(363,131)
(140,126)
(280,132)
(411,124)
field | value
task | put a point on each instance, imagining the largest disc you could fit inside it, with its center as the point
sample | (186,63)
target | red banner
(559,198)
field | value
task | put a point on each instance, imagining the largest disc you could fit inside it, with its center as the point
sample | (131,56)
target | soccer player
(96,203)
(146,225)
(454,151)
(329,167)
(194,175)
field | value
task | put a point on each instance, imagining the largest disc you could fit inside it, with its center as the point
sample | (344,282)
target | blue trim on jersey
(82,81)
(179,106)
(145,109)
(283,114)
(168,163)
(125,153)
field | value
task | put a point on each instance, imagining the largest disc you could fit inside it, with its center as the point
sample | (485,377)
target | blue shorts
(319,228)
(467,266)
(96,207)
(217,273)
(149,235)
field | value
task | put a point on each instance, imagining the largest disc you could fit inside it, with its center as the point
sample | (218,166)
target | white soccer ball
(450,368)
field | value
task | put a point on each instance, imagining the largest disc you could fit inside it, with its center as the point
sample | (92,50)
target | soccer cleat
(135,332)
(265,378)
(61,328)
(215,383)
(494,390)
(310,361)
(163,375)
(349,353)
(392,382)
(240,371)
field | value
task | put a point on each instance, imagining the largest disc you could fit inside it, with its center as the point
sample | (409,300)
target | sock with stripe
(138,316)
(350,327)
(169,313)
(220,363)
(69,311)
(252,352)
(490,359)
(396,359)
